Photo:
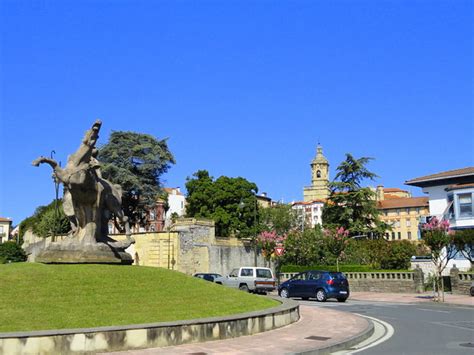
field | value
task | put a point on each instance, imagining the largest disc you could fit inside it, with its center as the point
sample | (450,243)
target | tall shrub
(439,240)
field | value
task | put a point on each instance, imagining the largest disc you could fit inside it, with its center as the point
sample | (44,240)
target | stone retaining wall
(461,281)
(397,282)
(82,341)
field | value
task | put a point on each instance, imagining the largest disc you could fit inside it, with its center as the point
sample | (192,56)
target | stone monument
(89,202)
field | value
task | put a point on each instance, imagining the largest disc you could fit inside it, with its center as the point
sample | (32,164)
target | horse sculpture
(89,200)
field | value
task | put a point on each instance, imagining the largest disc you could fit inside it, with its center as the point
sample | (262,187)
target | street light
(254,237)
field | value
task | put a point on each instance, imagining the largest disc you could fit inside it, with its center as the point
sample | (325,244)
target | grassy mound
(41,297)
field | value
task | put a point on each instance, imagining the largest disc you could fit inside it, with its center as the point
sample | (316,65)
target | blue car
(316,284)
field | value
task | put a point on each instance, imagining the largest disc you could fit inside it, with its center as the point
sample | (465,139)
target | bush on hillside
(11,252)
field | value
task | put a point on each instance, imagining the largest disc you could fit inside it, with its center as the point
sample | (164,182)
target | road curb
(343,344)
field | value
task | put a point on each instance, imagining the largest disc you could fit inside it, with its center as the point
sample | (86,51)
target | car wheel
(244,288)
(472,291)
(284,293)
(321,295)
(342,299)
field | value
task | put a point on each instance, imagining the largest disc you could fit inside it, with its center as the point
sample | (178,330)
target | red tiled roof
(459,186)
(403,202)
(169,190)
(443,175)
(308,202)
(390,196)
(393,189)
(2,219)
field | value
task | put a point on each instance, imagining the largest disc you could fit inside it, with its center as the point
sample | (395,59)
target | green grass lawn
(41,297)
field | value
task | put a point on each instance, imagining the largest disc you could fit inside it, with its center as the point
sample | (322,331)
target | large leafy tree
(280,218)
(136,161)
(464,242)
(350,205)
(230,202)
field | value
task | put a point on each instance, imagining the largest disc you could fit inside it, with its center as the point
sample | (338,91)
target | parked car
(249,279)
(207,276)
(471,290)
(316,284)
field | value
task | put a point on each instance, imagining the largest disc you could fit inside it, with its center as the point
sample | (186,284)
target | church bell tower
(319,189)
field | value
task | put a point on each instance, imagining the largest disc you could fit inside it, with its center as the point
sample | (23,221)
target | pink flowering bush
(268,241)
(336,240)
(439,239)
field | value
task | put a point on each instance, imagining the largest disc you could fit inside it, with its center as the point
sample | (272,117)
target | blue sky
(240,88)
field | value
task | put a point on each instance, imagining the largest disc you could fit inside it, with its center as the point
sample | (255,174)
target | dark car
(316,284)
(207,276)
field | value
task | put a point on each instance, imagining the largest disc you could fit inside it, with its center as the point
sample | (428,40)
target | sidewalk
(464,300)
(317,329)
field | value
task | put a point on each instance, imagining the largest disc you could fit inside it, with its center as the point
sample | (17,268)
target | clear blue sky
(241,88)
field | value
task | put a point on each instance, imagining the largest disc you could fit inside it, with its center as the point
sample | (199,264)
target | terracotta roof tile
(2,219)
(459,186)
(443,175)
(403,202)
(393,189)
(390,196)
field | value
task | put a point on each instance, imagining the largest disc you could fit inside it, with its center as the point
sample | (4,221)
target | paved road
(419,328)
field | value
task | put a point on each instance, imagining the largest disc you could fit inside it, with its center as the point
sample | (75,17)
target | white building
(309,212)
(176,203)
(451,197)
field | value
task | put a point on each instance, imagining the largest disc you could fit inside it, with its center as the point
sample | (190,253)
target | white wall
(438,199)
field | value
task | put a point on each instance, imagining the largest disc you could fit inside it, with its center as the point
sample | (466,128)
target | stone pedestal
(78,253)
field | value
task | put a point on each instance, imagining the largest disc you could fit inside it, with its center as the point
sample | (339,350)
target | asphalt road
(423,329)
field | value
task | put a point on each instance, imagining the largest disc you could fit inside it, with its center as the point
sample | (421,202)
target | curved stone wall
(91,340)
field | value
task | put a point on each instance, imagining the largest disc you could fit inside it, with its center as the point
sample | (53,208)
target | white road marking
(432,310)
(382,332)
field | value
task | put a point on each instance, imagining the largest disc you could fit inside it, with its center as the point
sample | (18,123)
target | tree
(136,161)
(464,242)
(437,238)
(11,252)
(304,247)
(46,221)
(336,241)
(350,205)
(230,202)
(279,218)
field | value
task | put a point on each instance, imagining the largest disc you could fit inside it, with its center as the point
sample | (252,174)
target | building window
(409,235)
(1,229)
(152,215)
(465,205)
(397,224)
(393,235)
(399,235)
(418,210)
(387,236)
(398,211)
(408,223)
(385,213)
(318,173)
(407,211)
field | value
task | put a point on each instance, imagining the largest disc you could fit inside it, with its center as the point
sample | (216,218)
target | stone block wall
(461,281)
(390,282)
